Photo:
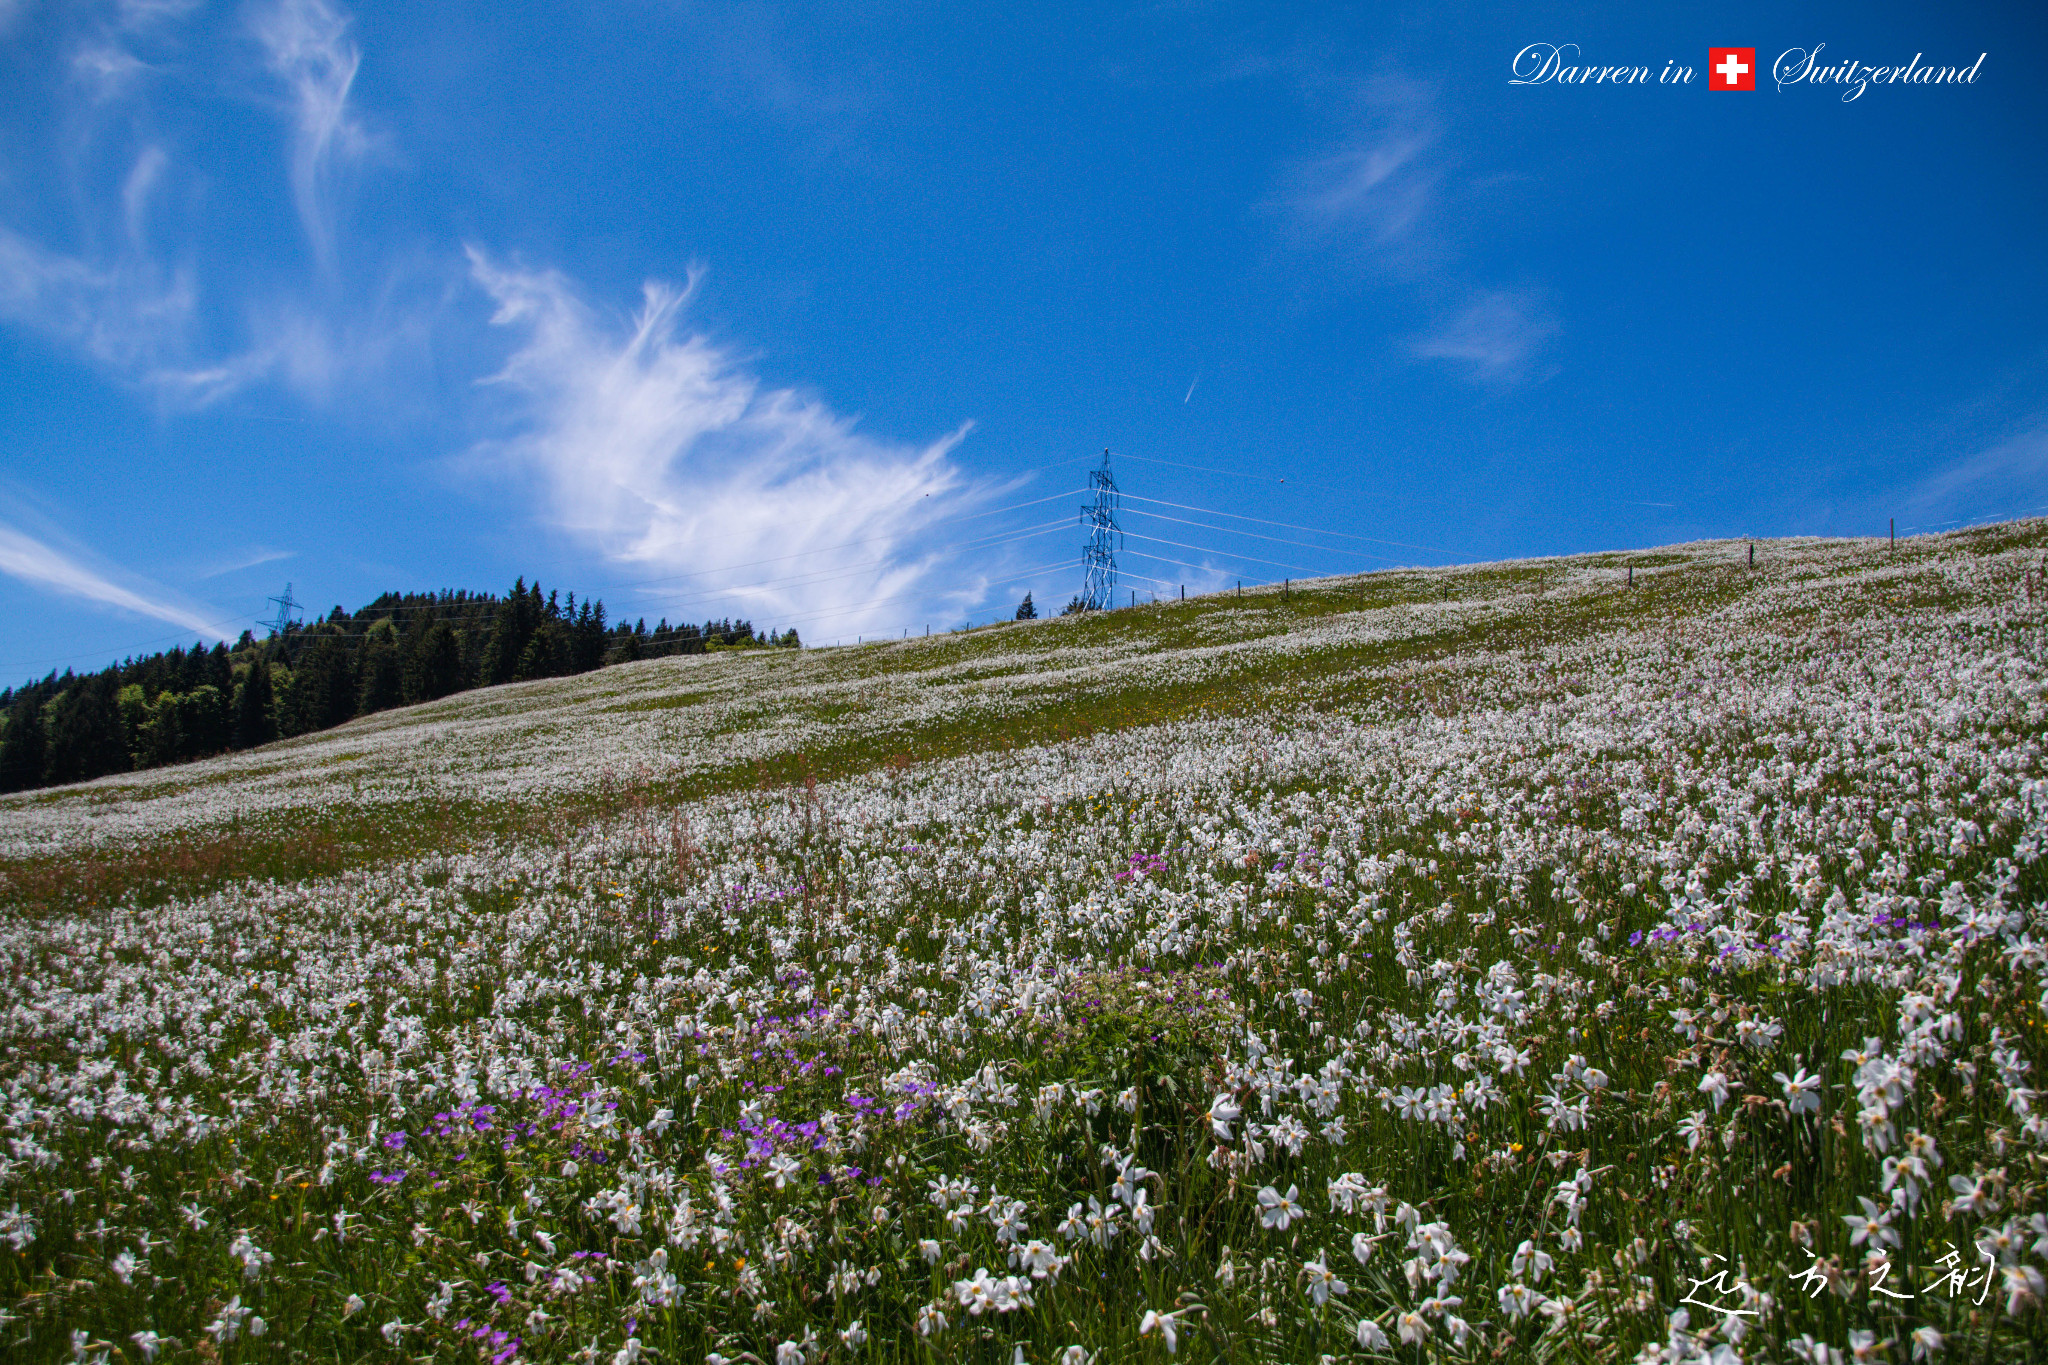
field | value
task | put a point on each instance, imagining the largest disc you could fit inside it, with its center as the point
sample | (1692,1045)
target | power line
(1288,525)
(1183,564)
(899,597)
(1249,559)
(1227,473)
(1278,540)
(154,640)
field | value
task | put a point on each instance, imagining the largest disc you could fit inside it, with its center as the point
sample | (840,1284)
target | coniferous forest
(402,648)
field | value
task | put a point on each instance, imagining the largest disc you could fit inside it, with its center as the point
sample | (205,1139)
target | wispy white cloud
(141,182)
(138,15)
(34,561)
(129,295)
(103,60)
(1495,338)
(2009,479)
(1379,196)
(132,316)
(256,556)
(1371,194)
(126,312)
(307,47)
(655,447)
(106,68)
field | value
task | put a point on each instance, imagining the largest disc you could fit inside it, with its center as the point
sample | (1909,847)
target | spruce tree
(381,685)
(439,662)
(255,718)
(511,626)
(22,749)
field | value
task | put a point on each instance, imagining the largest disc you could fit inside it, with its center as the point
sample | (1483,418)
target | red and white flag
(1731,68)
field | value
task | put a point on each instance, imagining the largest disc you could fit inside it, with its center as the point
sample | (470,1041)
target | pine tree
(220,670)
(590,637)
(193,672)
(440,662)
(512,626)
(22,750)
(254,706)
(1025,610)
(536,660)
(381,686)
(323,692)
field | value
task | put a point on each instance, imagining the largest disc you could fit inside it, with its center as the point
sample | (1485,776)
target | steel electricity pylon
(287,612)
(1105,537)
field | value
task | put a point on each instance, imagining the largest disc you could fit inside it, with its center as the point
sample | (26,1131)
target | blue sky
(789,312)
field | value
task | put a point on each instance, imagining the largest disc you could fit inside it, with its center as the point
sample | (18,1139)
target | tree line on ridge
(401,649)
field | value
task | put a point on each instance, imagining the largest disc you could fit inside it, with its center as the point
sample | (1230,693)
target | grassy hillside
(1504,962)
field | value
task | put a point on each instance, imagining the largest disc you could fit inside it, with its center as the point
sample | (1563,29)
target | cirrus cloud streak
(33,561)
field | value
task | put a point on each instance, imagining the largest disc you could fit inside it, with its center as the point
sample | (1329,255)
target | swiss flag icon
(1731,68)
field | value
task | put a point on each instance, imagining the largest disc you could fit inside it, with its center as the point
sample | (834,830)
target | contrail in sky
(1191,387)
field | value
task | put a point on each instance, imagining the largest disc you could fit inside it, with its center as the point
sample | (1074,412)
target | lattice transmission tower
(287,612)
(1105,537)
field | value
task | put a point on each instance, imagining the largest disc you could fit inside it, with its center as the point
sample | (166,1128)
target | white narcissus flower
(1345,1191)
(2024,1289)
(1277,1210)
(1802,1092)
(1164,1325)
(1532,1261)
(1518,1300)
(1872,1225)
(1370,1337)
(1223,1111)
(1322,1281)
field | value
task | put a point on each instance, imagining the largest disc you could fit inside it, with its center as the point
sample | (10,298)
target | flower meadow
(1497,964)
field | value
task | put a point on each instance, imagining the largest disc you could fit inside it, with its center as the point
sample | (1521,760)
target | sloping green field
(1493,963)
